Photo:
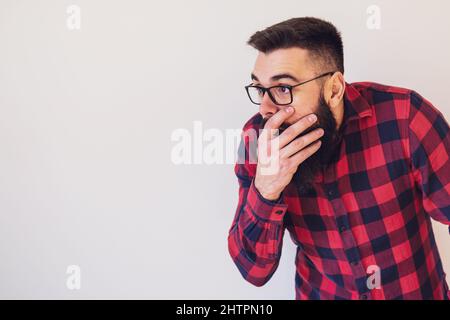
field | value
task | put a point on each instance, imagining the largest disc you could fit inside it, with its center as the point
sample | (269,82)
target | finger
(277,120)
(305,153)
(295,129)
(300,143)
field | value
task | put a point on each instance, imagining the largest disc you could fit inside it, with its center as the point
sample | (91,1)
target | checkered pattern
(370,207)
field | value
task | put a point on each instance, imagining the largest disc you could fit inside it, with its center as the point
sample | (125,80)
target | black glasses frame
(289,87)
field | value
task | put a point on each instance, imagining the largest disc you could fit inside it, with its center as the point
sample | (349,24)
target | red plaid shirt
(370,207)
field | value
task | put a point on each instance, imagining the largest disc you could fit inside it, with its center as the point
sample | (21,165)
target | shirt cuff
(263,208)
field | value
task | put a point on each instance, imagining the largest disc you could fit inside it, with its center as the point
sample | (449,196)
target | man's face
(290,67)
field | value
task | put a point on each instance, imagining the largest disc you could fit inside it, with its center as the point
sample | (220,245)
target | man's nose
(267,107)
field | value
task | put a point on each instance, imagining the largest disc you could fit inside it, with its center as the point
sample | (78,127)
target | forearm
(256,236)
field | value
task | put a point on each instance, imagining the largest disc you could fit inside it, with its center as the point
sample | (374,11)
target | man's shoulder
(382,97)
(377,92)
(389,103)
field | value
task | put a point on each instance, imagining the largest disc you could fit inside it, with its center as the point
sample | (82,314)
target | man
(355,186)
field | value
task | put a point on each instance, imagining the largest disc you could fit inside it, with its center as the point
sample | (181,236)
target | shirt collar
(355,105)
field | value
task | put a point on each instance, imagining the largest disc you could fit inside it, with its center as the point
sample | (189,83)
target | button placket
(348,240)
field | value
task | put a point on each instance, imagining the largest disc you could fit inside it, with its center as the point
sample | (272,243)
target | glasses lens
(281,94)
(256,94)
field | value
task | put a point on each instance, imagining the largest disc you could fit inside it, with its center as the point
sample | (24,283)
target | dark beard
(327,152)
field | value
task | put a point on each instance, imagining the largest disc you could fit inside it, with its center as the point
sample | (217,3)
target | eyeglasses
(280,95)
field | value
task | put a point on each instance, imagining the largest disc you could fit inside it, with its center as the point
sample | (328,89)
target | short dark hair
(321,38)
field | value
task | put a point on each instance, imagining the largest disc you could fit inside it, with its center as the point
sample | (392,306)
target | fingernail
(312,118)
(289,109)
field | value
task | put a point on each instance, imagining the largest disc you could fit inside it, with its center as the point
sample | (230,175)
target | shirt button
(342,228)
(354,263)
(279,212)
(363,297)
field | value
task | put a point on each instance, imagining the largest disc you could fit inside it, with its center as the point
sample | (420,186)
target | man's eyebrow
(278,77)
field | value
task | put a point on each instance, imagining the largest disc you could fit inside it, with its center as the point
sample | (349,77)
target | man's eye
(283,90)
(260,91)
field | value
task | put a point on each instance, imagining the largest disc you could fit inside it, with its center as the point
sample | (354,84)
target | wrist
(269,196)
(266,194)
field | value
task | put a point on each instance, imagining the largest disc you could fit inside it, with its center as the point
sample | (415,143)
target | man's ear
(335,89)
